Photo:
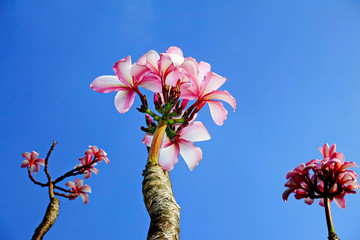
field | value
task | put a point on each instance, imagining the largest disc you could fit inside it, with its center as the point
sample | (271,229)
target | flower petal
(176,55)
(26,155)
(173,77)
(325,150)
(107,84)
(139,71)
(124,100)
(347,165)
(188,92)
(151,82)
(40,161)
(94,170)
(79,182)
(70,184)
(332,150)
(286,194)
(87,174)
(169,156)
(218,112)
(190,153)
(150,60)
(175,50)
(165,65)
(309,200)
(85,188)
(85,197)
(147,140)
(122,70)
(204,67)
(211,83)
(24,164)
(222,95)
(340,201)
(35,168)
(195,132)
(34,155)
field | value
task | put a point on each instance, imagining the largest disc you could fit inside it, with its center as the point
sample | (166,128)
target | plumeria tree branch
(32,162)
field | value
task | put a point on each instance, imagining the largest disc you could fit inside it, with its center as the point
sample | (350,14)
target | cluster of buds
(175,80)
(91,157)
(328,178)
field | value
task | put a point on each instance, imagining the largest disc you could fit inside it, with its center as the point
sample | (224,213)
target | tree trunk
(49,219)
(161,204)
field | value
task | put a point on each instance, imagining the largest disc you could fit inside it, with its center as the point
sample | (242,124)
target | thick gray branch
(161,204)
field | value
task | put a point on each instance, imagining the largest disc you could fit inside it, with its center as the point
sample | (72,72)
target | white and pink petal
(340,201)
(190,153)
(169,157)
(222,95)
(123,70)
(85,197)
(195,132)
(25,164)
(108,84)
(26,155)
(218,112)
(211,82)
(124,100)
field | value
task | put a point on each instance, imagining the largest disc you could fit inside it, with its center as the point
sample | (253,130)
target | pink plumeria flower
(164,68)
(181,144)
(127,80)
(86,161)
(203,87)
(79,189)
(99,154)
(328,178)
(32,161)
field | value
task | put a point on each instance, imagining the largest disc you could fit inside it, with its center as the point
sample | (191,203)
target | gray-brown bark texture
(161,204)
(49,219)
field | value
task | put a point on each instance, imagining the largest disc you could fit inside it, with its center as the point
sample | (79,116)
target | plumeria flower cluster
(320,179)
(92,156)
(175,80)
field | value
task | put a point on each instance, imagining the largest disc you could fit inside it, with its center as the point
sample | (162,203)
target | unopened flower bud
(158,102)
(149,121)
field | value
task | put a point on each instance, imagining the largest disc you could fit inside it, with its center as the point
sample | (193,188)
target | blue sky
(293,68)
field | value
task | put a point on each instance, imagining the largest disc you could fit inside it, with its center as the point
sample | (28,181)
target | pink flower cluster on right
(326,178)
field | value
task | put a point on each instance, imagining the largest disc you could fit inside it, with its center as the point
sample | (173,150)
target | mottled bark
(161,204)
(49,219)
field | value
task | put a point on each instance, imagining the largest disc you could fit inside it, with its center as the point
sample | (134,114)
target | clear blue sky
(293,66)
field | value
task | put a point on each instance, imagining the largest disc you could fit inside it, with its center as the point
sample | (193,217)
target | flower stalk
(329,222)
(153,158)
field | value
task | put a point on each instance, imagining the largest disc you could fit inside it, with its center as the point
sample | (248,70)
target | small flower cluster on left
(91,157)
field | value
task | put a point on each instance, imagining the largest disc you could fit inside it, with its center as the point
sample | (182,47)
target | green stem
(329,222)
(156,143)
